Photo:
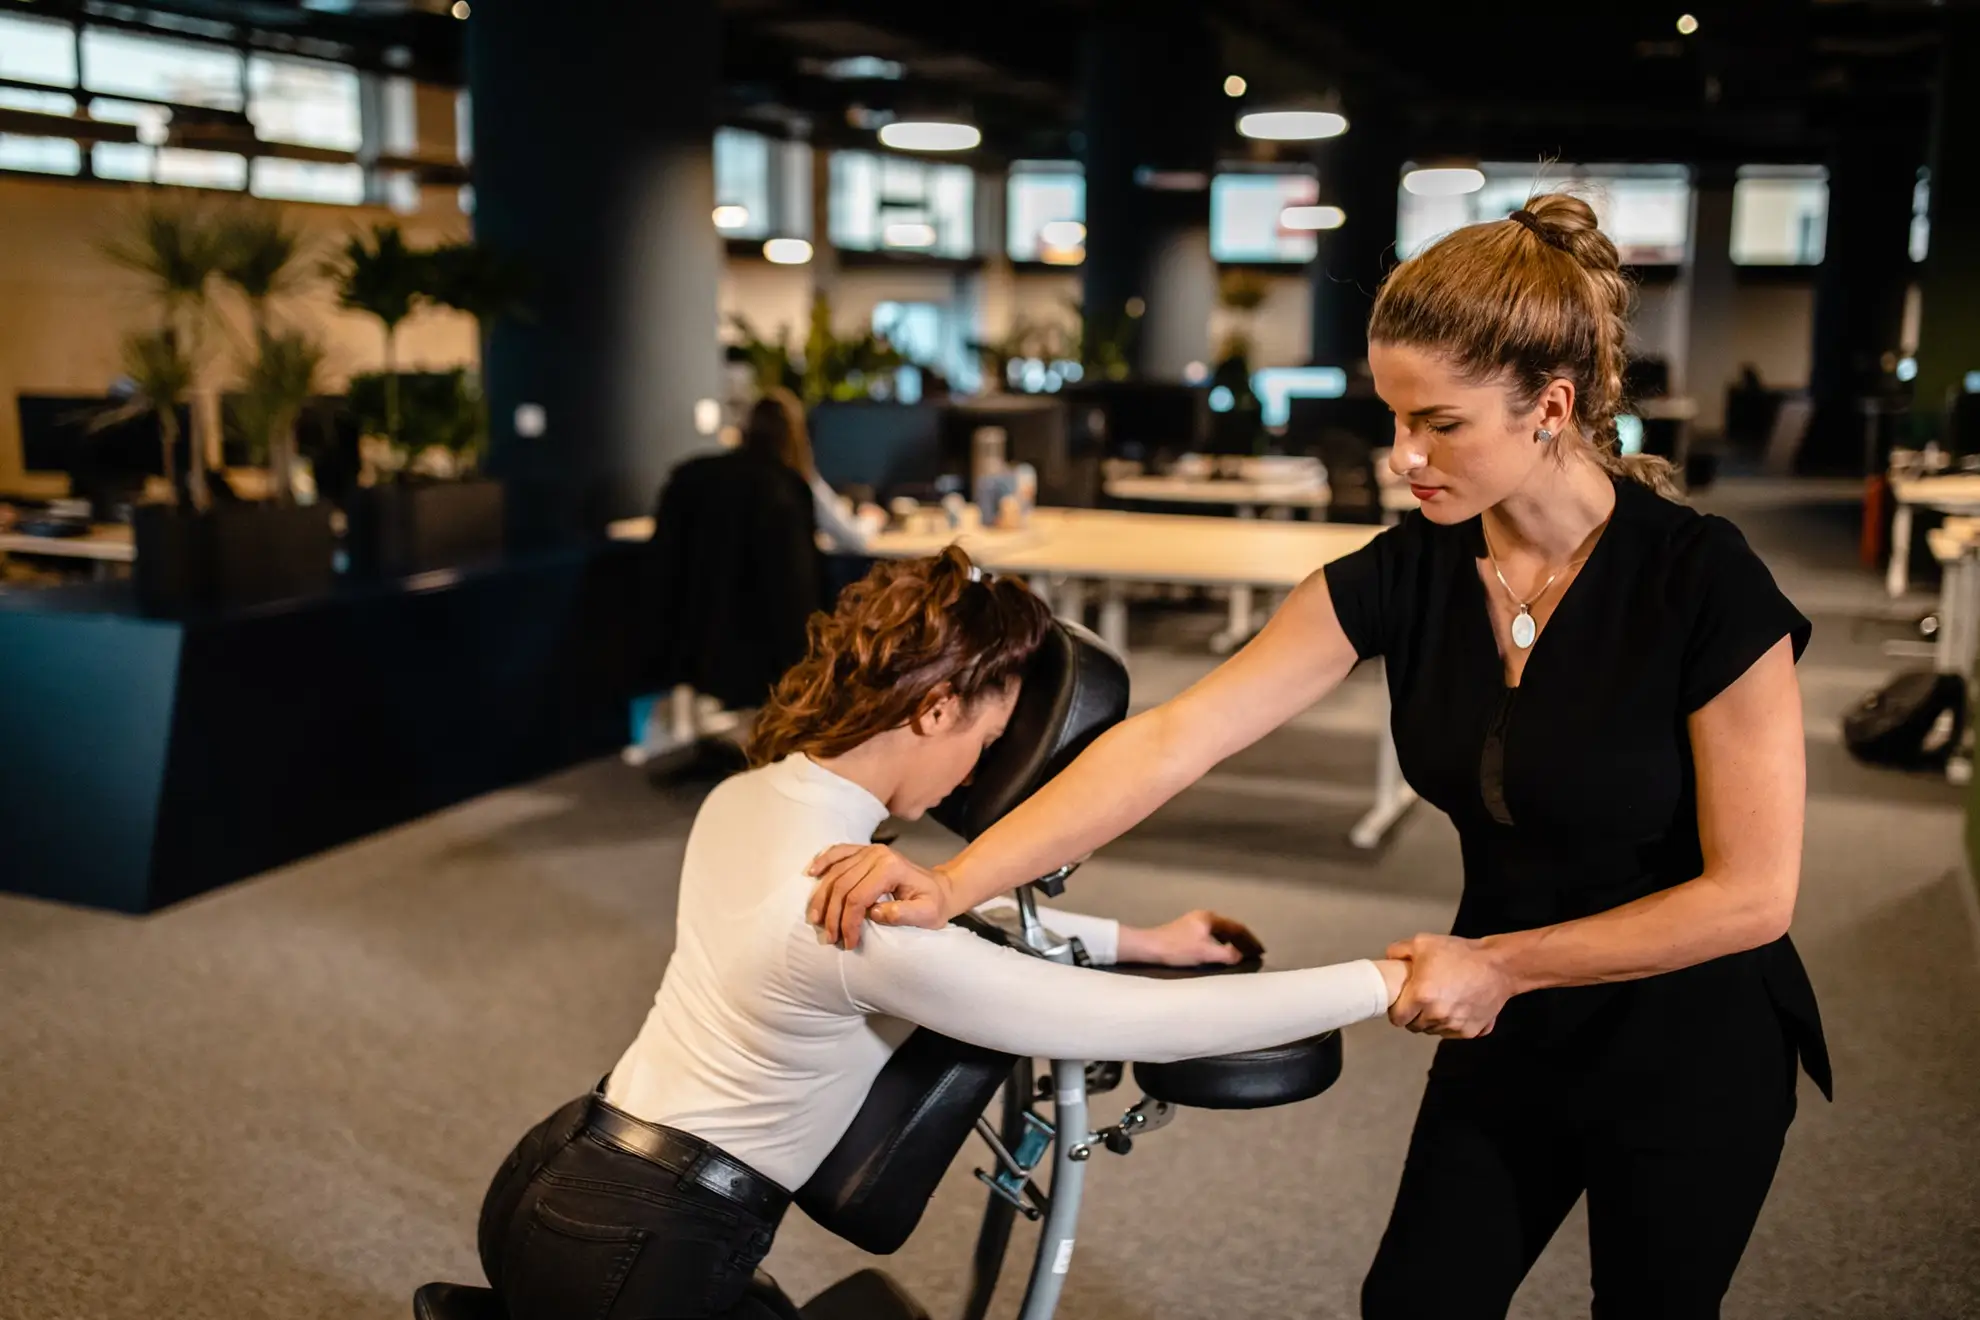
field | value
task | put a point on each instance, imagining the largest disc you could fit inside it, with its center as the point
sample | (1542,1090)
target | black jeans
(574,1229)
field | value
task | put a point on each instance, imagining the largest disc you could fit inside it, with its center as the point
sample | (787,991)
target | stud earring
(1543,435)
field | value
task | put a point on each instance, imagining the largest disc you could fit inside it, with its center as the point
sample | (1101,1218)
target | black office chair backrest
(872,1188)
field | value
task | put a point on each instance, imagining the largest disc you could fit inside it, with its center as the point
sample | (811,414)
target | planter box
(399,530)
(242,554)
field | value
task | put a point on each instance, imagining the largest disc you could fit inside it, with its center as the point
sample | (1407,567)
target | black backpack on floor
(1912,722)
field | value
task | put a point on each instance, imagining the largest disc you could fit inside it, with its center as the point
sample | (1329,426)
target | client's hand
(853,878)
(1456,988)
(1191,940)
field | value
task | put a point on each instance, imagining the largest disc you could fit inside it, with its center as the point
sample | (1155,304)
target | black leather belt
(688,1157)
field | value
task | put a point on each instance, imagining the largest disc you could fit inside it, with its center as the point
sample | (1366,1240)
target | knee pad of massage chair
(873,1186)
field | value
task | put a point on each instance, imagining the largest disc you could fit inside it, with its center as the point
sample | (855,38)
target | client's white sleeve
(1100,935)
(964,986)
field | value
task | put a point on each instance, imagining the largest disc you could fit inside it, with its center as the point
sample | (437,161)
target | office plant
(382,277)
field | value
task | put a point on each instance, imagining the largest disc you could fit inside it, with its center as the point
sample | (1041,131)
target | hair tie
(1532,222)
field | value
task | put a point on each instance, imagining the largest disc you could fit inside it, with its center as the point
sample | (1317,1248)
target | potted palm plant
(429,507)
(192,552)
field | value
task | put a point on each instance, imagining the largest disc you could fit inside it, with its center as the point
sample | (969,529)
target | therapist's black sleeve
(1373,589)
(1736,613)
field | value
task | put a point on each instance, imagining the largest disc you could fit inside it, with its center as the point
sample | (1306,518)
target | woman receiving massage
(658,1194)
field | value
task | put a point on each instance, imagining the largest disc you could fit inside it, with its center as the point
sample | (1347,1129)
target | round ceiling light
(1312,217)
(787,252)
(1443,181)
(1687,24)
(1292,125)
(1062,234)
(731,216)
(1235,85)
(929,135)
(909,234)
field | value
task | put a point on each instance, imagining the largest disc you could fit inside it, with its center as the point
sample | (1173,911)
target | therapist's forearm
(1113,786)
(1687,924)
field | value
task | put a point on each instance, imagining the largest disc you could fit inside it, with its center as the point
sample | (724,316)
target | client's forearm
(1113,786)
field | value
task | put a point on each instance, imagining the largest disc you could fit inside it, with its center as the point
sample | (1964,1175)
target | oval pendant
(1524,630)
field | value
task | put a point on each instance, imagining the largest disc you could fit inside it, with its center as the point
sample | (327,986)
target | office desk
(1060,551)
(1249,496)
(1955,494)
(107,544)
(1246,496)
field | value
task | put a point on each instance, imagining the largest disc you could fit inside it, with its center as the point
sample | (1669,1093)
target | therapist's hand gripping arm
(1131,770)
(1748,750)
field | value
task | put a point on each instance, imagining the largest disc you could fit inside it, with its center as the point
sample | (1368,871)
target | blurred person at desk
(776,429)
(737,562)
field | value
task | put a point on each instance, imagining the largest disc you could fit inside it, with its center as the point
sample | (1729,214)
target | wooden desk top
(1956,490)
(1149,547)
(1187,490)
(1128,547)
(106,541)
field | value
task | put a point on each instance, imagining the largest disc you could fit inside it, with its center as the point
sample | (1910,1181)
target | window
(40,155)
(742,183)
(897,204)
(1244,217)
(930,335)
(762,186)
(305,102)
(37,50)
(1644,209)
(159,69)
(1780,215)
(1041,193)
(306,181)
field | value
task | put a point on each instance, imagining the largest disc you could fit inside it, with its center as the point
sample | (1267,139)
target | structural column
(1859,294)
(593,167)
(1705,295)
(1150,122)
(1360,172)
(1949,327)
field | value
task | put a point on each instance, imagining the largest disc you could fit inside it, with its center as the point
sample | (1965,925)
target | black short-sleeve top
(1574,792)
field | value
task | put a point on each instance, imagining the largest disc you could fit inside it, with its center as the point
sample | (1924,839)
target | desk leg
(1240,627)
(1393,797)
(1069,601)
(1897,577)
(1113,615)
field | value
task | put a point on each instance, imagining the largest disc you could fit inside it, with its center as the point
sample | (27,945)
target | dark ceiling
(1611,79)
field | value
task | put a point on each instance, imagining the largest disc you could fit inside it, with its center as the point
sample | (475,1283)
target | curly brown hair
(900,638)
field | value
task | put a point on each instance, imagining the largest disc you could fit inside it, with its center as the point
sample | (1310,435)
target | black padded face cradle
(1075,689)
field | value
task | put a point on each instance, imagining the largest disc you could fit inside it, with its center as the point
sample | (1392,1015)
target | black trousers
(1498,1159)
(574,1229)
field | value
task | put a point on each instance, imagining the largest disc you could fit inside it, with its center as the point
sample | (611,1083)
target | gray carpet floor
(284,1099)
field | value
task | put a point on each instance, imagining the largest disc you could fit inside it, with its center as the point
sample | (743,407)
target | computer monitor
(1363,416)
(1276,387)
(1136,419)
(889,448)
(106,464)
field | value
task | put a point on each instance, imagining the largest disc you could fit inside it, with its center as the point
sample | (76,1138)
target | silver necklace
(1524,629)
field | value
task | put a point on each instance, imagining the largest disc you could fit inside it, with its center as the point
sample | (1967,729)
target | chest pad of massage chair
(874,1185)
